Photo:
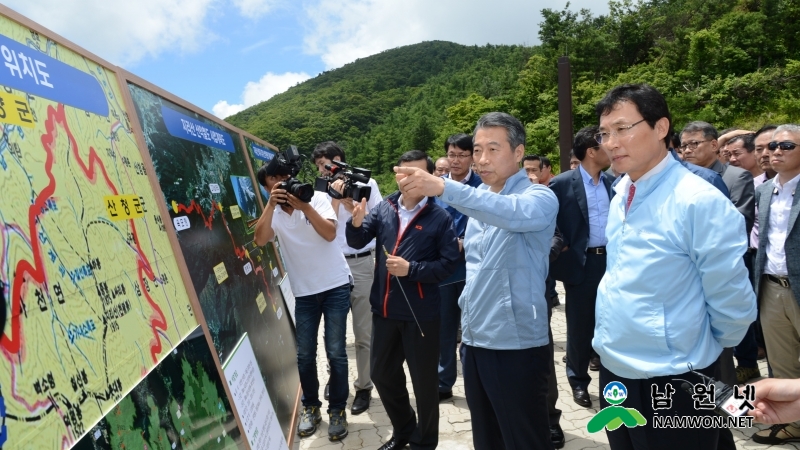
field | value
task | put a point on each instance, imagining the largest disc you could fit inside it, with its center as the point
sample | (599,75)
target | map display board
(259,155)
(180,405)
(88,281)
(207,186)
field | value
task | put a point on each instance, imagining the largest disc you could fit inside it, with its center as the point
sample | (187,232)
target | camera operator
(321,284)
(361,262)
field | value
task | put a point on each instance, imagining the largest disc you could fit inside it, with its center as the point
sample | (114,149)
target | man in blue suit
(583,198)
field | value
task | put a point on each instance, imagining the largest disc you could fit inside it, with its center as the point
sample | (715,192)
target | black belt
(359,255)
(783,281)
(596,250)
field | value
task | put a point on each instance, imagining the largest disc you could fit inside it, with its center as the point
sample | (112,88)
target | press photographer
(305,223)
(345,184)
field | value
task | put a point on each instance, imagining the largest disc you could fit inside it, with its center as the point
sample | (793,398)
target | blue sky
(225,55)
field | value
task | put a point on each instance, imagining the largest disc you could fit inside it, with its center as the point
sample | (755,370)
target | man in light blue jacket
(504,311)
(676,290)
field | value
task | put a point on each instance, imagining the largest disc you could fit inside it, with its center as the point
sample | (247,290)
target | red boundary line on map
(36,272)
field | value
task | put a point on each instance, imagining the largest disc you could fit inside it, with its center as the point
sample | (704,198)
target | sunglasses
(784,146)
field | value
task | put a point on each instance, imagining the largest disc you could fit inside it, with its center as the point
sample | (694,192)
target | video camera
(288,163)
(351,176)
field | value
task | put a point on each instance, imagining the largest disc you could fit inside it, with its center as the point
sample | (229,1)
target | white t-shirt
(344,216)
(314,264)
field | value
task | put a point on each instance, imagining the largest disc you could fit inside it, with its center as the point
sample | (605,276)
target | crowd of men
(677,253)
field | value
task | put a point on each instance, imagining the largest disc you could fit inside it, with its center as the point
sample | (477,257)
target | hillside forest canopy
(728,62)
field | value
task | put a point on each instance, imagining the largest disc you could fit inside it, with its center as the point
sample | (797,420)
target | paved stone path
(372,428)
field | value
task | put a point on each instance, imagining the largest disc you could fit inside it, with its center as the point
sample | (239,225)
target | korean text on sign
(22,65)
(14,110)
(40,75)
(124,207)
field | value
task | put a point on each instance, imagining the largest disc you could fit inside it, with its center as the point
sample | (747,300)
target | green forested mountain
(729,62)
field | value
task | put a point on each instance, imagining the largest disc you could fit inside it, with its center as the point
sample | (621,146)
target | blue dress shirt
(597,203)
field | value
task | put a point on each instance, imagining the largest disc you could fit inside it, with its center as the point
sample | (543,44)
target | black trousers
(581,299)
(552,382)
(640,398)
(506,394)
(395,341)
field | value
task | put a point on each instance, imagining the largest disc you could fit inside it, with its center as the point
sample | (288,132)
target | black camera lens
(303,191)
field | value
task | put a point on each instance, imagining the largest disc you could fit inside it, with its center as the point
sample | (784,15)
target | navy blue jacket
(429,245)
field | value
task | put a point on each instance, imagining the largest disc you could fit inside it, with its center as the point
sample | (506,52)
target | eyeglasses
(691,145)
(462,156)
(784,146)
(621,131)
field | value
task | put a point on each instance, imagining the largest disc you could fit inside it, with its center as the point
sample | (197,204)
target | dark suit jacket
(740,187)
(573,222)
(792,244)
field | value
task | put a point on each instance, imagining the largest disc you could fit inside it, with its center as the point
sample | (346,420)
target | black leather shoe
(581,397)
(327,393)
(564,359)
(361,401)
(445,395)
(557,436)
(394,444)
(594,364)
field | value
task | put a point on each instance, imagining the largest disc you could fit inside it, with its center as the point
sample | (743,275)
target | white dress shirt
(405,214)
(779,208)
(757,181)
(464,180)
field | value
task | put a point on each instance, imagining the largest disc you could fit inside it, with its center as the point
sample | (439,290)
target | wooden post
(564,111)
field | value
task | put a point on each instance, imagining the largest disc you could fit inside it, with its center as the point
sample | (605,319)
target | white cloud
(123,31)
(258,91)
(254,9)
(341,31)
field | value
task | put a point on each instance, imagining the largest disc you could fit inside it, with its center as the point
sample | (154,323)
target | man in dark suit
(777,267)
(583,197)
(700,146)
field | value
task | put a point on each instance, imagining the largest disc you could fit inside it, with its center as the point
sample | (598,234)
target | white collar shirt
(405,214)
(780,206)
(465,180)
(757,181)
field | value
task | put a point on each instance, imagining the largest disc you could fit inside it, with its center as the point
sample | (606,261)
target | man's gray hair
(514,128)
(790,127)
(709,132)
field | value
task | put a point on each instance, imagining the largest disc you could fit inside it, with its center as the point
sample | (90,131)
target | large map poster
(180,405)
(259,155)
(89,284)
(206,182)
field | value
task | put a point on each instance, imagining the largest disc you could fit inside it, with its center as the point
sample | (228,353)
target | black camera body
(288,163)
(351,176)
(302,191)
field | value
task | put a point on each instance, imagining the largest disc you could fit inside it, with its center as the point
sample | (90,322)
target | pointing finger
(405,170)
